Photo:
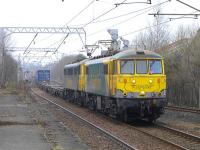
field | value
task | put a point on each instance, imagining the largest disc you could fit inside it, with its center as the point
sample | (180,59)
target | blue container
(43,75)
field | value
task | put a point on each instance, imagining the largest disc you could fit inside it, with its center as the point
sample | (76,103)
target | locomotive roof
(75,64)
(127,54)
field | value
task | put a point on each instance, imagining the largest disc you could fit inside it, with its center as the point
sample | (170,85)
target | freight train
(128,85)
(42,76)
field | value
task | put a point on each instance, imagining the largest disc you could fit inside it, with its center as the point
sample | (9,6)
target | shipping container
(42,75)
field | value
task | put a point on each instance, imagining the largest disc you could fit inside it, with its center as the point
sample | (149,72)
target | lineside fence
(185,94)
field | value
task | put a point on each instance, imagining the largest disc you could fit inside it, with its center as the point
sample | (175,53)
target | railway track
(160,138)
(175,137)
(183,109)
(178,139)
(179,132)
(107,134)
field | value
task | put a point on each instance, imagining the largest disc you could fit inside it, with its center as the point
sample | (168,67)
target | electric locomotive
(128,85)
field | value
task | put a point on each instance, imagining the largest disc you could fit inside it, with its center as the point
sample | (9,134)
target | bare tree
(8,64)
(185,32)
(156,36)
(140,41)
(182,68)
(181,59)
(57,70)
(2,48)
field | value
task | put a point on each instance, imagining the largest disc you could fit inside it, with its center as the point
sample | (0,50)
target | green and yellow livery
(129,84)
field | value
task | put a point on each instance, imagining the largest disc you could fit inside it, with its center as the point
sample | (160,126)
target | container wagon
(42,76)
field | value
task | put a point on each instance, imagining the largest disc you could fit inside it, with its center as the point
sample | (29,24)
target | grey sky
(57,13)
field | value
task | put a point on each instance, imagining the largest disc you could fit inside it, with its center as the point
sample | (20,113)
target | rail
(109,135)
(183,109)
(161,139)
(179,132)
(126,145)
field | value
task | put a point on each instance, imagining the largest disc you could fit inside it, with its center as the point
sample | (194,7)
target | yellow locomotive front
(140,78)
(139,84)
(128,85)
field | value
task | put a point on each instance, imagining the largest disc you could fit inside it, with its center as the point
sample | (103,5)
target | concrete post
(199,97)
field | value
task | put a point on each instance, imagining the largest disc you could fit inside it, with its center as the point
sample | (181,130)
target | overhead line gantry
(15,49)
(57,30)
(62,30)
(44,30)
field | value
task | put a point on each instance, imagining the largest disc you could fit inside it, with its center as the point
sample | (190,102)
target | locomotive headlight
(133,81)
(150,81)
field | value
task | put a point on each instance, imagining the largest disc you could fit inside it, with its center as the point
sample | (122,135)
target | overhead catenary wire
(187,5)
(30,43)
(61,39)
(145,28)
(121,22)
(74,17)
(195,17)
(99,16)
(147,2)
(103,14)
(177,14)
(102,1)
(170,20)
(93,18)
(102,30)
(113,17)
(173,14)
(129,33)
(61,43)
(126,14)
(148,9)
(119,16)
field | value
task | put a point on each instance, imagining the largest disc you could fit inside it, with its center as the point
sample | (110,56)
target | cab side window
(105,67)
(87,70)
(114,67)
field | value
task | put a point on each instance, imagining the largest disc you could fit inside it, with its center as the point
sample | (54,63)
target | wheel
(125,116)
(151,120)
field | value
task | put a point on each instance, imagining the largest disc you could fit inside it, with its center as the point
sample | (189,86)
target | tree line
(8,65)
(57,69)
(181,52)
